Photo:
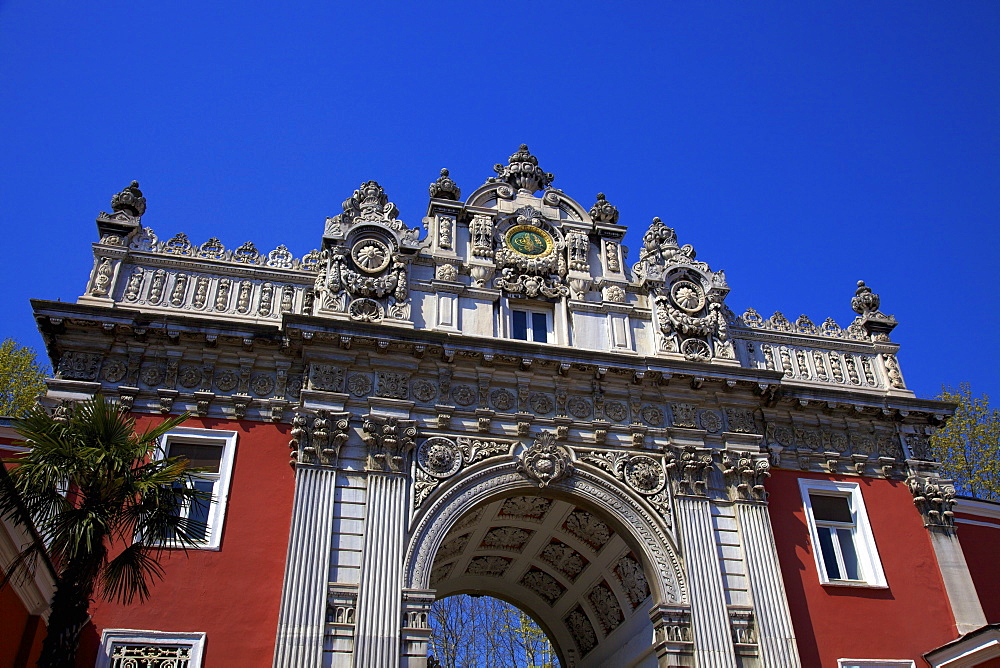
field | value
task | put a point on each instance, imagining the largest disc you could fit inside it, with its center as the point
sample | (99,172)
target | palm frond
(128,575)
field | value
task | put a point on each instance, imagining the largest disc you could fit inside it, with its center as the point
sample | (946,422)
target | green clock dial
(529,241)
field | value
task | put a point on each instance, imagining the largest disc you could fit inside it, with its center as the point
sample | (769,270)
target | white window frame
(220,494)
(549,314)
(111,637)
(869,564)
(875,663)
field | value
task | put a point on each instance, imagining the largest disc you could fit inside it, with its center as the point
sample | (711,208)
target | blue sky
(800,146)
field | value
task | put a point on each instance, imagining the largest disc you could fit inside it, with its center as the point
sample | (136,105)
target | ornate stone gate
(502,404)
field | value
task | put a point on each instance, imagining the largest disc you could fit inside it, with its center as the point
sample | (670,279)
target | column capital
(689,467)
(317,439)
(933,496)
(745,473)
(389,440)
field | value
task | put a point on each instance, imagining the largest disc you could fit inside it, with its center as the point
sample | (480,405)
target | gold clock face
(529,241)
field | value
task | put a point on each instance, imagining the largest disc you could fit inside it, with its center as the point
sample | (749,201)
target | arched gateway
(503,405)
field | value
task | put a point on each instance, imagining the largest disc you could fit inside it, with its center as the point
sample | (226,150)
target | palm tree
(92,487)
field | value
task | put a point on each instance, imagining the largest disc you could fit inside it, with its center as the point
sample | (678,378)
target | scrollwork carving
(545,461)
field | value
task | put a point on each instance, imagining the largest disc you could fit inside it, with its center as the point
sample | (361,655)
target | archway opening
(480,631)
(563,562)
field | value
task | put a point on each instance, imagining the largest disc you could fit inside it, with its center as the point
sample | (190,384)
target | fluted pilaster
(713,643)
(775,634)
(377,638)
(302,618)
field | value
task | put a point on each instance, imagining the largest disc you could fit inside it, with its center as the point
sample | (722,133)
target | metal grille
(150,656)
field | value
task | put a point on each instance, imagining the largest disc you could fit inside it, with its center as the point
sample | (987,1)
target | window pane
(519,322)
(199,509)
(831,508)
(829,556)
(200,456)
(540,327)
(850,554)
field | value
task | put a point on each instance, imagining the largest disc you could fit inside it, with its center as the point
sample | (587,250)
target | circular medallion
(424,390)
(578,407)
(262,385)
(540,403)
(615,410)
(439,457)
(503,400)
(696,349)
(114,370)
(464,395)
(687,296)
(371,255)
(227,380)
(711,422)
(652,415)
(529,241)
(783,435)
(645,474)
(189,376)
(359,385)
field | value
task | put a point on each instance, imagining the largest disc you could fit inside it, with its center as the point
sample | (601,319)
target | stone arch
(482,533)
(473,487)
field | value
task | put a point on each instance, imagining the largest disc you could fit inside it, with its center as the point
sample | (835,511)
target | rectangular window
(530,326)
(128,648)
(875,663)
(842,540)
(213,451)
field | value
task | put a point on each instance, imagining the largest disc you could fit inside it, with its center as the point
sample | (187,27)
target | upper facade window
(212,451)
(843,544)
(531,326)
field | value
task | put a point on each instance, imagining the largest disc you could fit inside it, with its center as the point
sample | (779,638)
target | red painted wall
(21,634)
(906,620)
(981,546)
(231,594)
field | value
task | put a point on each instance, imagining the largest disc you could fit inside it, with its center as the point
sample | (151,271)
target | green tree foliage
(969,444)
(485,632)
(90,486)
(22,378)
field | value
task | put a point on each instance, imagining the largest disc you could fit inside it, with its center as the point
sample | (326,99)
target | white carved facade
(497,401)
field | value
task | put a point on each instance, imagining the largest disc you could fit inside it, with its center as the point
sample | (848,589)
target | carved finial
(522,171)
(865,301)
(444,187)
(658,237)
(603,211)
(130,200)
